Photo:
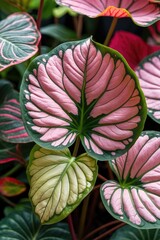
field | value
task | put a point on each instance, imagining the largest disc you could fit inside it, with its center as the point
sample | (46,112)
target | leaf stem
(7,201)
(102,178)
(109,232)
(39,17)
(71,227)
(13,170)
(83,217)
(39,20)
(103,227)
(76,147)
(111,30)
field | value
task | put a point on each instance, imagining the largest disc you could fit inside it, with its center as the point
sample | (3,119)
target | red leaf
(10,187)
(132,47)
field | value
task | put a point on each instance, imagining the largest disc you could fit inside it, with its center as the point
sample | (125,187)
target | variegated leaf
(83,89)
(10,186)
(59,182)
(142,12)
(148,73)
(135,199)
(11,124)
(19,38)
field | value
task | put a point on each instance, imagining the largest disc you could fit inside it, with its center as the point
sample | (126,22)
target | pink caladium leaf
(135,199)
(132,47)
(143,13)
(11,187)
(19,38)
(148,73)
(86,90)
(11,125)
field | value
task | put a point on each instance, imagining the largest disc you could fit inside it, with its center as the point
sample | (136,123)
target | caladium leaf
(11,124)
(25,225)
(19,38)
(132,47)
(148,73)
(130,233)
(83,89)
(10,187)
(143,13)
(135,199)
(59,182)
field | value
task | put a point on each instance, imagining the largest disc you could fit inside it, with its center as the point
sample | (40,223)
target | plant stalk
(108,232)
(39,20)
(88,236)
(111,30)
(79,26)
(8,201)
(83,217)
(71,227)
(13,170)
(39,17)
(76,147)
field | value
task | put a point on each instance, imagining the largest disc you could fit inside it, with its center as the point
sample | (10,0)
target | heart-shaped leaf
(83,89)
(10,187)
(143,12)
(59,182)
(148,73)
(11,125)
(136,198)
(130,233)
(20,225)
(19,38)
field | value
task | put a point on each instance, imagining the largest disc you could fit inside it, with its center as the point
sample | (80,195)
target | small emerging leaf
(135,199)
(10,187)
(86,90)
(59,182)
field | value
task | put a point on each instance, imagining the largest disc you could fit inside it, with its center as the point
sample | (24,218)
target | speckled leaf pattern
(148,73)
(11,124)
(19,38)
(135,199)
(24,224)
(83,89)
(59,182)
(130,233)
(143,13)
